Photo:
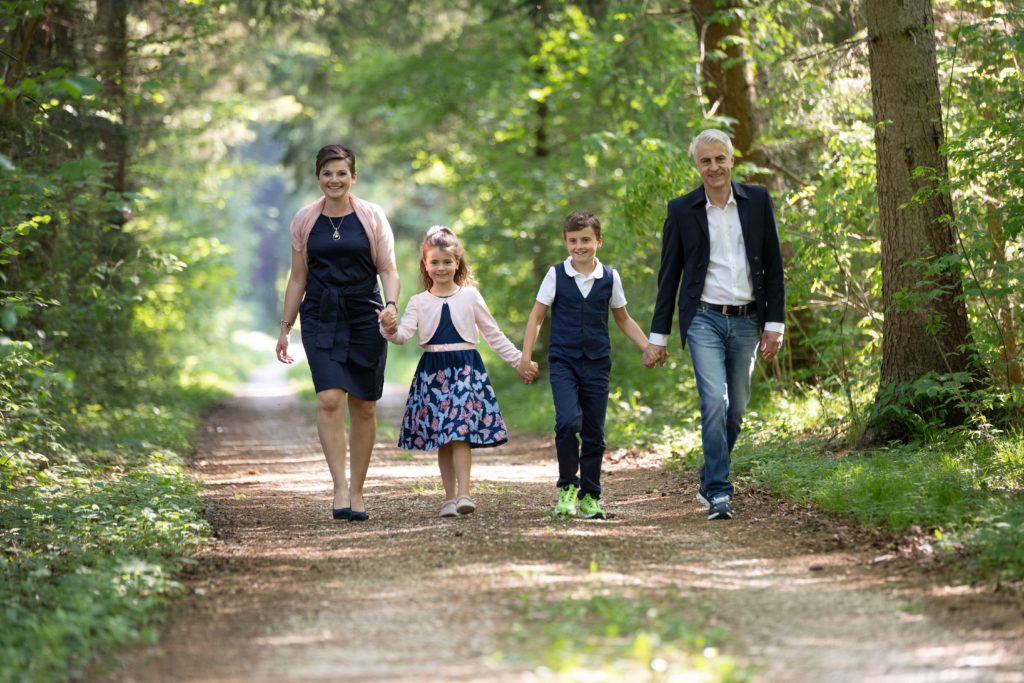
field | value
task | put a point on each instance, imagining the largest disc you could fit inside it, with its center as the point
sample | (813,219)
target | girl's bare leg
(446,464)
(463,461)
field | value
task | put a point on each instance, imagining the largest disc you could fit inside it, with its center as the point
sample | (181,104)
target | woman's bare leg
(363,415)
(330,425)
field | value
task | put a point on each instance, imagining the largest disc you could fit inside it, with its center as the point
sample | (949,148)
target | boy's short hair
(579,220)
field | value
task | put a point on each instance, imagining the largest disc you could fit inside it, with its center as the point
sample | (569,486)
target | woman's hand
(282,348)
(388,320)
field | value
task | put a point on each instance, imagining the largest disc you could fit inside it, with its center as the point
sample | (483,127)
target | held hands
(388,320)
(528,370)
(771,344)
(655,355)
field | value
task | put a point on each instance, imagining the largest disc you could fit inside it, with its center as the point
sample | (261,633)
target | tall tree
(728,78)
(925,328)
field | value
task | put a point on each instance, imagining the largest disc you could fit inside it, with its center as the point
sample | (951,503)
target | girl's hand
(528,370)
(388,320)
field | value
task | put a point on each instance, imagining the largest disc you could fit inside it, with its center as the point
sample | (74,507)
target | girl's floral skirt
(451,399)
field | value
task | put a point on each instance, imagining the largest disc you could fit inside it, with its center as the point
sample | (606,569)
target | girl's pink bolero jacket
(375,223)
(469,312)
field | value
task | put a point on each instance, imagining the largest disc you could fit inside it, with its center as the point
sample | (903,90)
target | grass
(611,636)
(93,537)
(962,486)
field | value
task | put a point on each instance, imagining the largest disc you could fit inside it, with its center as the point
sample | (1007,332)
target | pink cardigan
(469,312)
(375,223)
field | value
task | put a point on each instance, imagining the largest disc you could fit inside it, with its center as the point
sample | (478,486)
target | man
(721,240)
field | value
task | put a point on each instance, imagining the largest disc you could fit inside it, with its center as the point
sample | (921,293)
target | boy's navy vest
(579,326)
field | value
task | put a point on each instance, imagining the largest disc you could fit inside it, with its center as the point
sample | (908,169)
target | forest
(152,155)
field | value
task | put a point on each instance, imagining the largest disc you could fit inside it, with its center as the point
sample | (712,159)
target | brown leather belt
(726,309)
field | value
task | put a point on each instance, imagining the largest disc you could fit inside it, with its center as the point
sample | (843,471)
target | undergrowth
(98,519)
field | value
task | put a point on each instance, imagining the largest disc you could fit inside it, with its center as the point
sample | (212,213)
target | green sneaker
(566,504)
(590,508)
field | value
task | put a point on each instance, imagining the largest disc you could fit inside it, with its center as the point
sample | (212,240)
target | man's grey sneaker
(702,497)
(721,507)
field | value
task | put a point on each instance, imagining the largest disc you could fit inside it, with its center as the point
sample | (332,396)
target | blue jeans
(723,349)
(579,388)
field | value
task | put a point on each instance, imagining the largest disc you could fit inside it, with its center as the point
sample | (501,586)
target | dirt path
(287,594)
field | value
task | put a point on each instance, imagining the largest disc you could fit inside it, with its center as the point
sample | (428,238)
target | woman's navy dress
(340,331)
(451,398)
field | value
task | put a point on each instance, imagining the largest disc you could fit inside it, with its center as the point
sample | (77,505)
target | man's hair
(580,220)
(710,135)
(333,152)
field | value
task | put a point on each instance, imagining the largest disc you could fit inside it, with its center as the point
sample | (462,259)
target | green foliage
(504,119)
(30,391)
(997,545)
(113,328)
(86,562)
(619,636)
(983,99)
(92,544)
(926,403)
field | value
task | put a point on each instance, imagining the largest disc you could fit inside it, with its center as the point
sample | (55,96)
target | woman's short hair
(332,152)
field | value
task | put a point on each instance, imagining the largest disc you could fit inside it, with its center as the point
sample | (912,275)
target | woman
(340,246)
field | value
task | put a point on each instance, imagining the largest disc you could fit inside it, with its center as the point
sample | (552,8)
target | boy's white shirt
(546,294)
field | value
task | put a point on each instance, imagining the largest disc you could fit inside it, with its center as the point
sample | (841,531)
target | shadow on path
(287,594)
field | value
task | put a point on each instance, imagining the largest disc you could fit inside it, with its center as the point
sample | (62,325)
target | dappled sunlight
(290,639)
(285,582)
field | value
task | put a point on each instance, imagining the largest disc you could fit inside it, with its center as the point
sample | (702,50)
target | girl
(451,406)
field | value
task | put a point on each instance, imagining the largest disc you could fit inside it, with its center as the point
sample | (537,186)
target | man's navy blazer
(686,251)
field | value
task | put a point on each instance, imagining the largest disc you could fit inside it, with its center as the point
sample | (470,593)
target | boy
(579,291)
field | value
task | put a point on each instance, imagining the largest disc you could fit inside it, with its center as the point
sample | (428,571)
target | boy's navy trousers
(579,388)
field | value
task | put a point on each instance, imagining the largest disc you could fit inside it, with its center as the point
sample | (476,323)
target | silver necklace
(337,234)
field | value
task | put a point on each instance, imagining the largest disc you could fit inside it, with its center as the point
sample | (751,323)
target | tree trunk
(925,327)
(112,25)
(728,80)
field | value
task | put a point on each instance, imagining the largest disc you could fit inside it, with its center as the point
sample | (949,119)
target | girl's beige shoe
(464,505)
(448,509)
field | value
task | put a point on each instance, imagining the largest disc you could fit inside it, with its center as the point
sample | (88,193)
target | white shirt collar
(731,200)
(597,273)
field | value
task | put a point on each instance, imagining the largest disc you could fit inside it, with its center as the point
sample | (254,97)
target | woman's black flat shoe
(354,516)
(341,513)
